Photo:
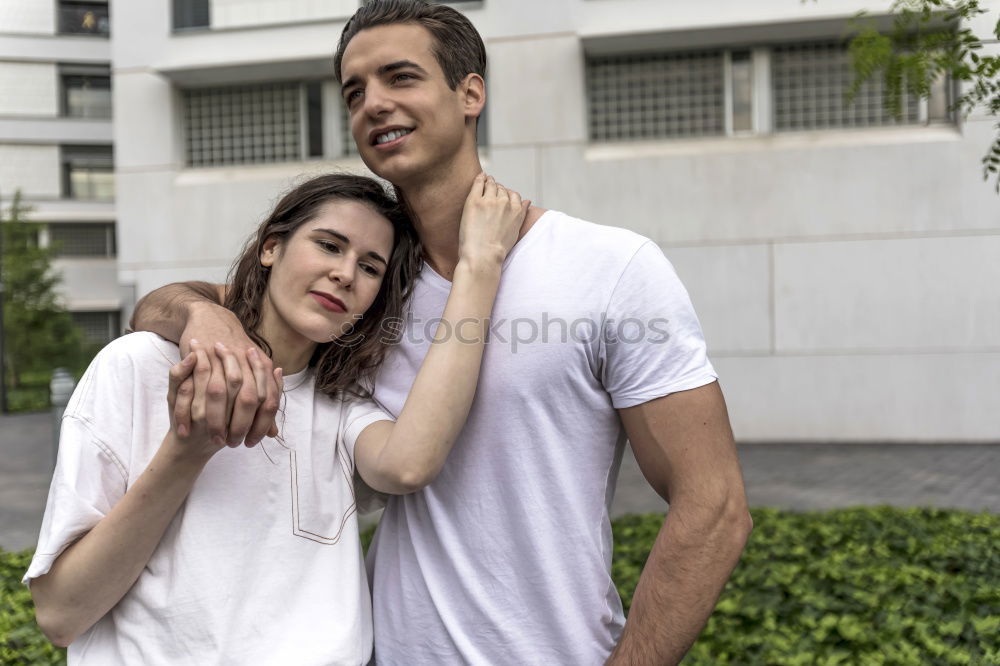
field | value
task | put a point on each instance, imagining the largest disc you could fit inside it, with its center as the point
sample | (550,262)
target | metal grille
(660,95)
(810,82)
(250,124)
(83,240)
(102,327)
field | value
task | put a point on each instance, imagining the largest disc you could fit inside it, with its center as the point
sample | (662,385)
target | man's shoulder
(584,238)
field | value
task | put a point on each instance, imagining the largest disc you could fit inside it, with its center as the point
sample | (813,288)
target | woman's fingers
(476,191)
(490,190)
(180,390)
(262,378)
(202,374)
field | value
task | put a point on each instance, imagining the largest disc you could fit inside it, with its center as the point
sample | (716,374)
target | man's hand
(187,310)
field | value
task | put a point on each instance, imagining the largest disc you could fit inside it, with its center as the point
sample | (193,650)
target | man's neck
(437,206)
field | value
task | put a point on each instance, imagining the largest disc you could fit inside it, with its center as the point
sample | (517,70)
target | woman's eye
(328,246)
(371,270)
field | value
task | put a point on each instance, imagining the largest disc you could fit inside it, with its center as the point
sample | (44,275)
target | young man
(505,558)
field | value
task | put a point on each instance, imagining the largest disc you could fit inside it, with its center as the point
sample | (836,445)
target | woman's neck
(290,351)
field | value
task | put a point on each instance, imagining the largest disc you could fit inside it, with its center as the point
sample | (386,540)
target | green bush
(864,586)
(861,586)
(21,643)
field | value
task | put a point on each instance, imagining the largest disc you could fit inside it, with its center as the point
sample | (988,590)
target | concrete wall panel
(779,187)
(148,121)
(924,293)
(29,89)
(88,281)
(730,289)
(535,90)
(243,13)
(32,169)
(919,397)
(28,16)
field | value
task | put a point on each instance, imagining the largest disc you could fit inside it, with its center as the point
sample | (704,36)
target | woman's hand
(199,388)
(491,220)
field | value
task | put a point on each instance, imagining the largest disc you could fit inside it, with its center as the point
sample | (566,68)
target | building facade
(843,263)
(56,147)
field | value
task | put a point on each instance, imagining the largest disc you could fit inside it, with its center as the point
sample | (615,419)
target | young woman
(175,549)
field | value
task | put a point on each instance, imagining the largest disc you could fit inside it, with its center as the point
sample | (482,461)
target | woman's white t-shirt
(262,563)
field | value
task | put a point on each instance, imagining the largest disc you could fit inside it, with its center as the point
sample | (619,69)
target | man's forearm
(165,311)
(689,564)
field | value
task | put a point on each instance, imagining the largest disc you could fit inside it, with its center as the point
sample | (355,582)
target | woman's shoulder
(141,349)
(134,364)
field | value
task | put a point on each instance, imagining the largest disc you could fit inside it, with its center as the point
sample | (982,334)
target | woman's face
(326,275)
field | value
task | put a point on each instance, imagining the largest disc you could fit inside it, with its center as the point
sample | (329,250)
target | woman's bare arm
(93,574)
(405,456)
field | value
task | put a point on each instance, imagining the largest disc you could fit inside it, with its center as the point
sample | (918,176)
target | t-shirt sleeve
(361,413)
(652,344)
(88,480)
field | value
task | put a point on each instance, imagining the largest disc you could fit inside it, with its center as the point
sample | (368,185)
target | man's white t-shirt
(505,558)
(262,563)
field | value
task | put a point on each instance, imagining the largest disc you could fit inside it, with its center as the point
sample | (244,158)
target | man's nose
(377,101)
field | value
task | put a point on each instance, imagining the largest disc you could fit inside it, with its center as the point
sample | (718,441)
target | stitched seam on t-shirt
(99,443)
(602,344)
(661,390)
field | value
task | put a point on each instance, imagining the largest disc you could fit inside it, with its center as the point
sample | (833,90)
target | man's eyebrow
(384,69)
(347,241)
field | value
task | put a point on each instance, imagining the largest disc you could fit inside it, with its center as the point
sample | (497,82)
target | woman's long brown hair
(349,363)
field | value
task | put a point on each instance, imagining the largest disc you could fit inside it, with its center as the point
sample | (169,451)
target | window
(99,327)
(84,18)
(191,14)
(810,81)
(88,172)
(72,239)
(86,91)
(253,124)
(782,88)
(648,96)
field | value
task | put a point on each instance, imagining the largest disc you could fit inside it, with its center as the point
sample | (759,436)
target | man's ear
(473,89)
(269,251)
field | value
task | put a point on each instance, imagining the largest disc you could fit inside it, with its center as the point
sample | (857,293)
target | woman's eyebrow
(347,241)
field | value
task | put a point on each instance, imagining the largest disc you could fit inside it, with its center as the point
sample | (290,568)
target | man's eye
(402,76)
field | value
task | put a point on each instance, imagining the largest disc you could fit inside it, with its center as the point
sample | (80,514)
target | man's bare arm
(684,446)
(192,310)
(163,311)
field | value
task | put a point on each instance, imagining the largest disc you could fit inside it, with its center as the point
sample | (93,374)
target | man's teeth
(391,136)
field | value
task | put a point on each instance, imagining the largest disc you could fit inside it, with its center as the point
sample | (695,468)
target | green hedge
(21,643)
(855,587)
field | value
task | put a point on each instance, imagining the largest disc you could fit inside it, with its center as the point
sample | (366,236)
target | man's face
(407,122)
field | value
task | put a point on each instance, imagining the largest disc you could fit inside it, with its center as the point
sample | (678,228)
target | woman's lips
(328,302)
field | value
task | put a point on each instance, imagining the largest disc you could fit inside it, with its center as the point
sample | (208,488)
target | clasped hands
(220,396)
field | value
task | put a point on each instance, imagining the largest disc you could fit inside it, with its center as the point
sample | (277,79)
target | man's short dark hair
(458,47)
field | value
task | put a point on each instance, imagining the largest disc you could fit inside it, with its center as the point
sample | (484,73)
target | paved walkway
(795,476)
